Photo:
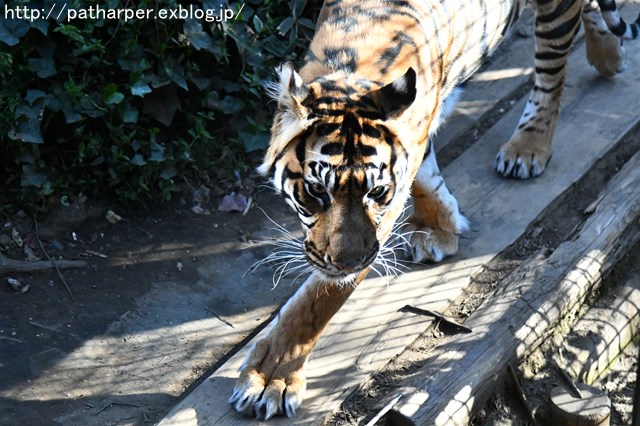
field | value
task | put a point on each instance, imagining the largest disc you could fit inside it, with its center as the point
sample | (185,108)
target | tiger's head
(338,157)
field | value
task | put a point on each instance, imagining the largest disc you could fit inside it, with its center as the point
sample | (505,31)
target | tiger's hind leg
(436,221)
(526,154)
(604,49)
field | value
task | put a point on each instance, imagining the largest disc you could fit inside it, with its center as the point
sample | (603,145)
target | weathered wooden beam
(602,334)
(523,311)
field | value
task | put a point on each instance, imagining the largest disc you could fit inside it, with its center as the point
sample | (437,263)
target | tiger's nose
(350,264)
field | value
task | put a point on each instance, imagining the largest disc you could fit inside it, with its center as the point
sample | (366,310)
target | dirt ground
(159,304)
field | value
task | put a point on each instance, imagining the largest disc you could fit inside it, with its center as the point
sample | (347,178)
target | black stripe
(559,31)
(367,150)
(301,151)
(288,174)
(326,112)
(334,148)
(620,28)
(561,47)
(371,115)
(370,131)
(607,6)
(343,58)
(544,56)
(563,6)
(551,71)
(552,89)
(326,129)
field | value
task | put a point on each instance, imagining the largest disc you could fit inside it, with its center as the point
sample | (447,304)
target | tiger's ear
(396,97)
(292,117)
(290,91)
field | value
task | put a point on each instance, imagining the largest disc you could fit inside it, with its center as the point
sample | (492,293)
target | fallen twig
(10,265)
(13,339)
(218,316)
(96,253)
(125,404)
(36,324)
(52,262)
(458,327)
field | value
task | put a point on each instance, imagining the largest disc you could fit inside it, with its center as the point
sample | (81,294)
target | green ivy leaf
(197,37)
(138,160)
(11,30)
(44,67)
(33,95)
(257,24)
(32,178)
(168,172)
(140,88)
(27,128)
(226,105)
(285,26)
(129,114)
(254,141)
(157,153)
(114,99)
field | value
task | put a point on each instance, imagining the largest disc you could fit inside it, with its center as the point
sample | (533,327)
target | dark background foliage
(126,109)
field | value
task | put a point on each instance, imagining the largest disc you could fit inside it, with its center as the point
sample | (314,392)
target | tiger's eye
(377,191)
(316,189)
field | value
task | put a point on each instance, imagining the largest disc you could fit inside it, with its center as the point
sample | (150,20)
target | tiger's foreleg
(526,154)
(272,380)
(436,221)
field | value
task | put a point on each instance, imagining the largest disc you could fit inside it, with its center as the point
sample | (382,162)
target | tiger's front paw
(430,245)
(522,158)
(271,381)
(263,397)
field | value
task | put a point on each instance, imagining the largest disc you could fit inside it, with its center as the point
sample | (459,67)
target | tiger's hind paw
(516,160)
(605,53)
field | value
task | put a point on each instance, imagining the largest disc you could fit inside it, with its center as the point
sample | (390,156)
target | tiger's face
(336,156)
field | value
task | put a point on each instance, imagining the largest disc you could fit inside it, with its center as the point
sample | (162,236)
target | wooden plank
(602,334)
(523,311)
(368,330)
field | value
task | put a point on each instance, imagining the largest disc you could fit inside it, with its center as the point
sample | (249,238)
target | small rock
(57,245)
(29,253)
(113,217)
(15,235)
(197,209)
(179,266)
(15,284)
(201,195)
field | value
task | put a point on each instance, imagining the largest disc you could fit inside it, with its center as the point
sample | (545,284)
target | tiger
(350,144)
